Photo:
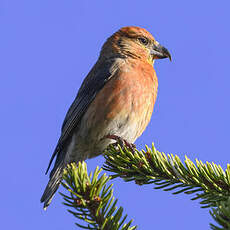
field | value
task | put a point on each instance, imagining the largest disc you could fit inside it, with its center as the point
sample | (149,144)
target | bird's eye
(143,41)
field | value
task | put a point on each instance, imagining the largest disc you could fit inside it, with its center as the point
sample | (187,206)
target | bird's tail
(53,184)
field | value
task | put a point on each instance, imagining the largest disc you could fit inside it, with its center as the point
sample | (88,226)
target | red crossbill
(116,99)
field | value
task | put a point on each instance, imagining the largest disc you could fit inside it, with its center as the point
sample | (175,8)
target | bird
(114,102)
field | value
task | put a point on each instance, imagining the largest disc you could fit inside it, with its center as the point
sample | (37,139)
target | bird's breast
(122,107)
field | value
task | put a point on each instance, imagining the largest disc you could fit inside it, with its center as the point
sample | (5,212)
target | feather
(95,80)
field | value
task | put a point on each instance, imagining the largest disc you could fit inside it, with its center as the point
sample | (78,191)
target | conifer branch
(92,200)
(209,182)
(221,215)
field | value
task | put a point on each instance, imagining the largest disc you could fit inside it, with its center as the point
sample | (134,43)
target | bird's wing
(92,84)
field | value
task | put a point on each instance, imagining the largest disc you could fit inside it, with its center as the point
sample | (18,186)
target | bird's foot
(122,142)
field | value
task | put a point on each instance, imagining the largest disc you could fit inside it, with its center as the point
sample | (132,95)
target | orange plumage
(116,99)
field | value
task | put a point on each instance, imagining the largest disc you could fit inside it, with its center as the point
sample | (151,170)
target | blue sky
(46,50)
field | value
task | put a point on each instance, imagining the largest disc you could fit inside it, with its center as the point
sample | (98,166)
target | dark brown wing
(95,80)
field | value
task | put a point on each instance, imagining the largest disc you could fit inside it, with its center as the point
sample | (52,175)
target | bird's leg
(122,142)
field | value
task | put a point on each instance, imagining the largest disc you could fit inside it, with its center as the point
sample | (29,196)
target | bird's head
(134,42)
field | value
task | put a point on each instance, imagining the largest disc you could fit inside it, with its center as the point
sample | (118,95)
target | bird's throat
(150,60)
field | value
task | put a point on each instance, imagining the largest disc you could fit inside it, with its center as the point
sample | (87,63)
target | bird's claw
(122,142)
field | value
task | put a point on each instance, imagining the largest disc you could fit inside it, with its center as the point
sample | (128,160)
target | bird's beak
(159,52)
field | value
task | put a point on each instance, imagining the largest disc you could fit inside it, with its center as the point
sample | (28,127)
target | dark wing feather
(95,80)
